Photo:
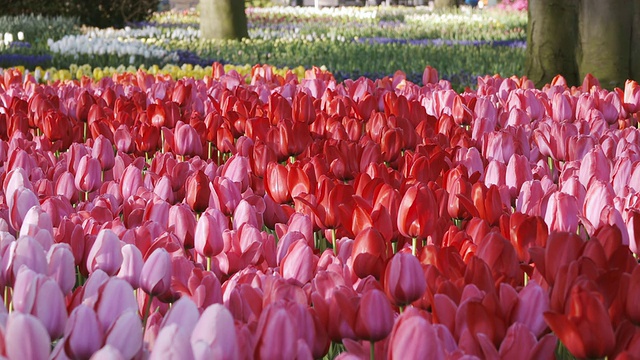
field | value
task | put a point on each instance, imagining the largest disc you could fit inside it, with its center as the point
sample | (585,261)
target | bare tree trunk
(223,19)
(605,35)
(634,61)
(552,36)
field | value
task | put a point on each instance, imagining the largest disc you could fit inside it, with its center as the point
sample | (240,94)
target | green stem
(333,241)
(372,352)
(145,315)
(162,143)
(208,263)
(394,246)
(7,303)
(414,243)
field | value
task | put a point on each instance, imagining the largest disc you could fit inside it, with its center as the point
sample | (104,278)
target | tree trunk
(445,4)
(223,19)
(634,61)
(551,41)
(605,35)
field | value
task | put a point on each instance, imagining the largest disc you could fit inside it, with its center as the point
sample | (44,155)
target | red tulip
(585,327)
(197,191)
(369,253)
(417,212)
(404,280)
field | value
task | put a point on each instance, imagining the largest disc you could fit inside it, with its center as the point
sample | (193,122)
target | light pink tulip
(28,252)
(106,253)
(184,314)
(38,225)
(155,278)
(561,213)
(19,203)
(88,175)
(300,263)
(26,338)
(132,263)
(216,328)
(172,344)
(109,310)
(533,301)
(125,334)
(83,334)
(107,352)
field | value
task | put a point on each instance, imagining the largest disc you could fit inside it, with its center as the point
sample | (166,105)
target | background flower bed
(348,42)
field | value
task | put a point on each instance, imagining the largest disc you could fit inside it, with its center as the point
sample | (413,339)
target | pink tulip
(208,235)
(276,334)
(561,213)
(237,169)
(155,278)
(83,334)
(172,344)
(517,173)
(131,181)
(108,352)
(182,222)
(300,263)
(374,319)
(631,96)
(225,195)
(106,253)
(184,314)
(103,151)
(41,297)
(29,253)
(594,166)
(20,202)
(88,174)
(65,186)
(125,334)
(107,310)
(132,263)
(533,302)
(413,337)
(404,280)
(26,338)
(186,140)
(62,266)
(216,329)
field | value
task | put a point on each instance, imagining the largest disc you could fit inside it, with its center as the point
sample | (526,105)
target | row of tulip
(143,216)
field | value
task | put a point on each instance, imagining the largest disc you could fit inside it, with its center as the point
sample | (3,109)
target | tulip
(132,263)
(106,253)
(276,334)
(107,352)
(155,277)
(562,213)
(369,253)
(585,336)
(216,329)
(19,203)
(29,253)
(186,140)
(38,225)
(26,338)
(208,239)
(103,151)
(109,311)
(413,337)
(172,344)
(62,266)
(83,334)
(184,314)
(197,191)
(374,319)
(125,334)
(300,263)
(404,280)
(417,213)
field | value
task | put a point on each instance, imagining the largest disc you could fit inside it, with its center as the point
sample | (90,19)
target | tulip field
(262,212)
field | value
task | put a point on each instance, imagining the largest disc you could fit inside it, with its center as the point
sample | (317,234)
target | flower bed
(273,217)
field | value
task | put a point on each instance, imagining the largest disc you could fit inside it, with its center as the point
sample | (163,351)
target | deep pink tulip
(62,266)
(300,263)
(104,152)
(164,190)
(217,330)
(225,195)
(276,334)
(125,334)
(197,191)
(594,166)
(182,222)
(132,263)
(130,181)
(208,239)
(237,169)
(106,253)
(88,174)
(413,337)
(374,319)
(517,173)
(155,278)
(249,213)
(186,140)
(533,302)
(404,280)
(83,334)
(26,338)
(157,211)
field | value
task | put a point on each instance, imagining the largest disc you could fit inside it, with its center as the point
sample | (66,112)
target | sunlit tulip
(216,329)
(62,266)
(300,263)
(413,337)
(155,277)
(417,212)
(132,263)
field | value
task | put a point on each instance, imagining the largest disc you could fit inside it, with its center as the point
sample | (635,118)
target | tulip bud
(156,273)
(374,318)
(197,191)
(62,266)
(132,263)
(216,328)
(126,334)
(208,239)
(103,151)
(88,174)
(26,338)
(83,334)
